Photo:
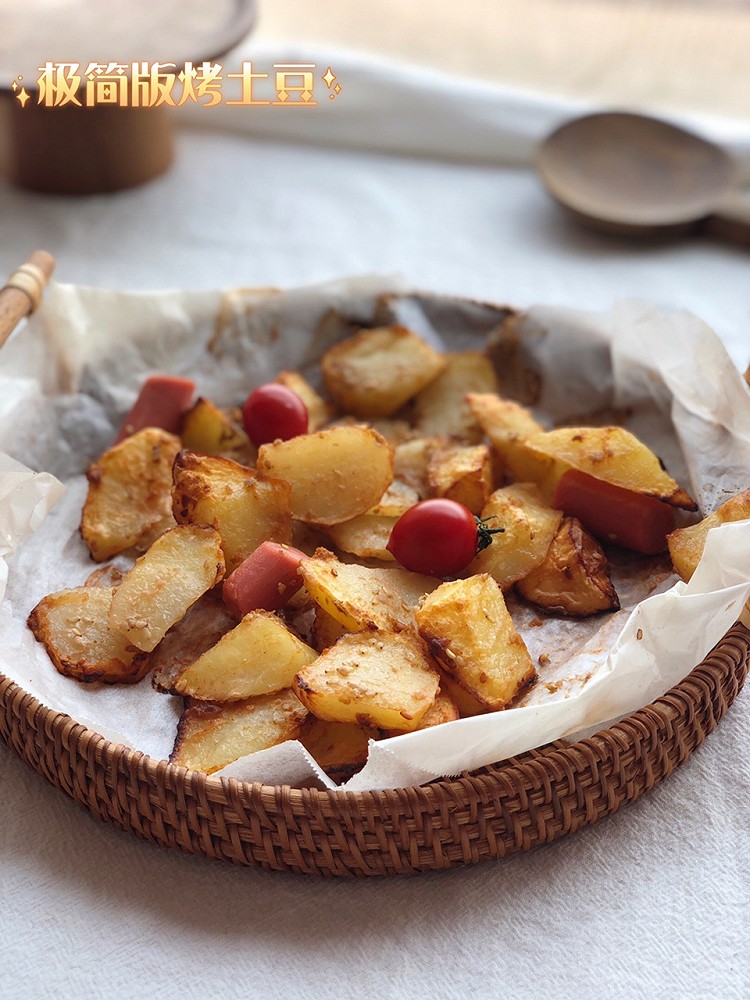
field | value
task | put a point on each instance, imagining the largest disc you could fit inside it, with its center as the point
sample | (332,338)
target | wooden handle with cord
(23,291)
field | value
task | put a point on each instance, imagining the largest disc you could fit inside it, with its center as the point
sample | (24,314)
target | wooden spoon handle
(23,291)
(731,220)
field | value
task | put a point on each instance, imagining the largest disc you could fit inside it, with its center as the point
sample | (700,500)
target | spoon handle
(731,219)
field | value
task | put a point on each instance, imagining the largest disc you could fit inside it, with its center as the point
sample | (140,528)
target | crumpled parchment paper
(68,376)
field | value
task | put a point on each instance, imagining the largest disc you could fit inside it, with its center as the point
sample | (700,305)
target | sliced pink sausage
(266,580)
(161,403)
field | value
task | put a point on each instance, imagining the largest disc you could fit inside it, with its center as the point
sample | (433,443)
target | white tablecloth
(654,901)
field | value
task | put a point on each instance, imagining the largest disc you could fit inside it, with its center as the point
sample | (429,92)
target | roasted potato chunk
(686,544)
(443,709)
(72,625)
(508,425)
(574,577)
(383,679)
(157,592)
(339,748)
(201,628)
(319,412)
(325,629)
(466,703)
(257,657)
(529,526)
(397,499)
(411,462)
(128,503)
(210,431)
(244,509)
(365,536)
(334,475)
(470,632)
(441,407)
(463,475)
(613,455)
(360,597)
(375,372)
(210,736)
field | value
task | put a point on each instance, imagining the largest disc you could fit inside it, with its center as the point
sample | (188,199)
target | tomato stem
(484,533)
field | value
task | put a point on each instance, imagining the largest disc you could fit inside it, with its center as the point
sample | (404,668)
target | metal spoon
(638,176)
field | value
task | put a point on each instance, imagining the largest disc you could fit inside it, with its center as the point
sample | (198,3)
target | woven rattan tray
(491,813)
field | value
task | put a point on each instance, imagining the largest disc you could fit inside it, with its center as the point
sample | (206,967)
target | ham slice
(266,579)
(162,402)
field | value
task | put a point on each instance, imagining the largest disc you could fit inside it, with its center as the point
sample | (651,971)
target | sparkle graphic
(329,76)
(23,97)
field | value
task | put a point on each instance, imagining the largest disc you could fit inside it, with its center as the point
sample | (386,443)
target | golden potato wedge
(443,709)
(441,407)
(334,474)
(360,597)
(466,703)
(686,544)
(411,462)
(574,577)
(210,736)
(208,430)
(462,474)
(319,412)
(397,499)
(339,748)
(72,625)
(470,632)
(325,629)
(528,524)
(105,576)
(394,431)
(612,454)
(508,425)
(128,503)
(201,628)
(375,372)
(157,592)
(383,679)
(365,536)
(244,509)
(259,656)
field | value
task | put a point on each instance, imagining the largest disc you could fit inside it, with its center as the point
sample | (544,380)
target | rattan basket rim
(491,813)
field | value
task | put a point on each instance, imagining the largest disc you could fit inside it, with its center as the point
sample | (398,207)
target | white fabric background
(654,901)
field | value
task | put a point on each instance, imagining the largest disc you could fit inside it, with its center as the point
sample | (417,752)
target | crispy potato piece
(201,628)
(339,748)
(574,577)
(443,709)
(462,474)
(257,657)
(128,503)
(466,703)
(397,499)
(325,630)
(210,736)
(394,431)
(528,524)
(383,679)
(613,455)
(375,372)
(441,407)
(686,544)
(210,431)
(411,462)
(319,412)
(72,625)
(334,474)
(244,509)
(365,536)
(157,592)
(470,632)
(508,425)
(105,576)
(360,597)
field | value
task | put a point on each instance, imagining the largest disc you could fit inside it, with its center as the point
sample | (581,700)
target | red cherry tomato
(436,537)
(272,412)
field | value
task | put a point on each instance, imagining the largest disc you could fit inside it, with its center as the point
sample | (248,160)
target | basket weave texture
(490,813)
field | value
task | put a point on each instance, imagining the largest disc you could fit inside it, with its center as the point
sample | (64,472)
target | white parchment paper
(67,378)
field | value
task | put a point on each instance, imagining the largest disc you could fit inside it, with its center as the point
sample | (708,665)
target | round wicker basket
(490,813)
